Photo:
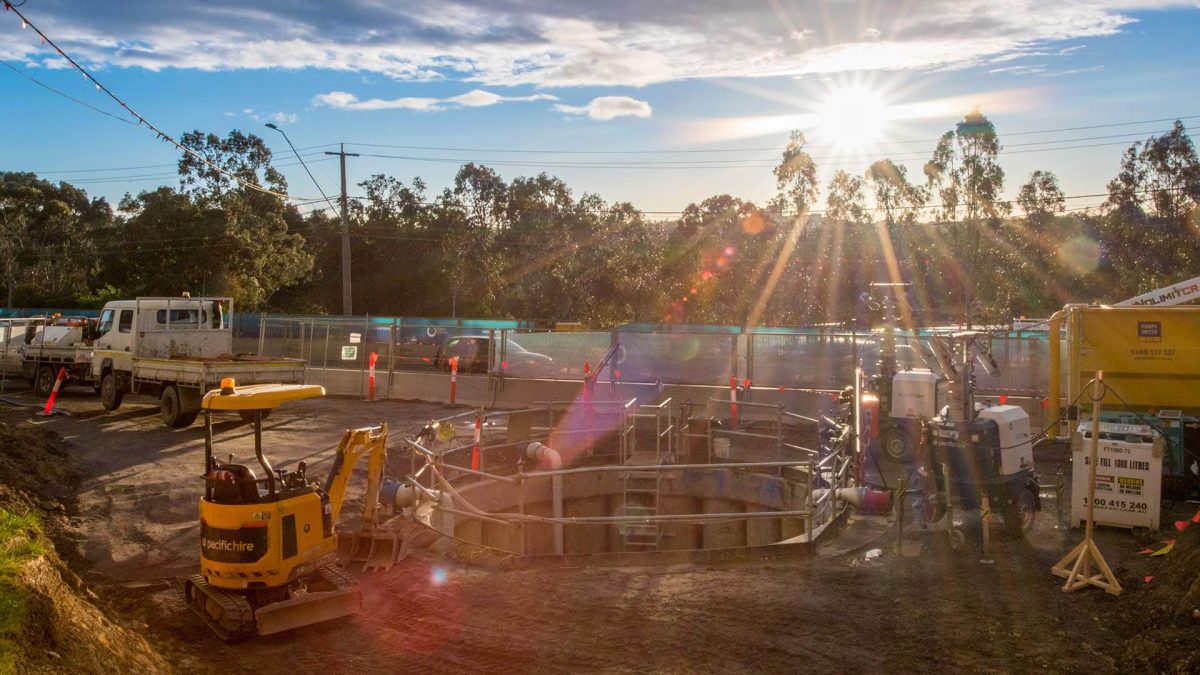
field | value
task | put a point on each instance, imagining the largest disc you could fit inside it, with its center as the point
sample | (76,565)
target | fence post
(262,333)
(749,355)
(325,356)
(362,365)
(391,357)
(733,356)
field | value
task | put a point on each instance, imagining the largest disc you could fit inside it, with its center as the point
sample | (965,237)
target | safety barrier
(500,459)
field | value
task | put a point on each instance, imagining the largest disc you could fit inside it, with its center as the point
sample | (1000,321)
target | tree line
(532,248)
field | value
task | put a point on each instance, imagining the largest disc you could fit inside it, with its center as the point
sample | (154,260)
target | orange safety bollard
(62,375)
(371,376)
(453,378)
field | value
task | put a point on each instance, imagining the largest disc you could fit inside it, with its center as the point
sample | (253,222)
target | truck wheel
(43,384)
(110,392)
(1019,514)
(171,408)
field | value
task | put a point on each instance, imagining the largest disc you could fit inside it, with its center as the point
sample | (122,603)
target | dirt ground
(855,605)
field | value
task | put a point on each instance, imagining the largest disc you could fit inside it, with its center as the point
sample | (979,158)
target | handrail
(658,467)
(802,418)
(747,404)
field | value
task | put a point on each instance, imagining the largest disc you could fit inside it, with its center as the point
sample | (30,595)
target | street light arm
(270,125)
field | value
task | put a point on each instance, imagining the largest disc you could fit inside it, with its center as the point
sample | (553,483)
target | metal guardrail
(821,475)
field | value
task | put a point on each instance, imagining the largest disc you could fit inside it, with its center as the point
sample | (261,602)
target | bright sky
(596,93)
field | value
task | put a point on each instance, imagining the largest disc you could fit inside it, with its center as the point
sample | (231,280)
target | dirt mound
(49,621)
(33,461)
(1171,612)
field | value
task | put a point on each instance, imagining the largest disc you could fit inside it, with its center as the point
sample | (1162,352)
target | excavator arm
(375,548)
(371,441)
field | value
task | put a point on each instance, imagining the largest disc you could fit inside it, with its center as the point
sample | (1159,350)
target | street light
(346,306)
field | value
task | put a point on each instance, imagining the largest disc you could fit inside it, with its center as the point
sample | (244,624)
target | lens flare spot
(439,576)
(1081,254)
(706,275)
(753,224)
(722,261)
(693,291)
(729,250)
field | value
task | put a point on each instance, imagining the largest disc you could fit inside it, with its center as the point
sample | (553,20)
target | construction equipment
(974,457)
(1151,362)
(914,427)
(268,544)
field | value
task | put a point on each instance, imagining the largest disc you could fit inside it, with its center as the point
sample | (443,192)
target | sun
(851,116)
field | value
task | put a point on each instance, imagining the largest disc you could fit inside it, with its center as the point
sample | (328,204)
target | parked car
(472,352)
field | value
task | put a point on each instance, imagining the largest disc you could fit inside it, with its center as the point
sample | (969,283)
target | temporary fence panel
(805,359)
(678,358)
(560,355)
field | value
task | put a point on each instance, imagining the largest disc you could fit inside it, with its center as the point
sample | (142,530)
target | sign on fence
(349,353)
(1128,475)
(355,338)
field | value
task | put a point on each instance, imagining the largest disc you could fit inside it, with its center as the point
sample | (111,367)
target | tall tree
(965,173)
(215,166)
(48,239)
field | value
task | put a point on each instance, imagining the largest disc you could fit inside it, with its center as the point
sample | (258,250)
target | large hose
(539,452)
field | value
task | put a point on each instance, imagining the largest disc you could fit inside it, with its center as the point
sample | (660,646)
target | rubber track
(338,577)
(237,617)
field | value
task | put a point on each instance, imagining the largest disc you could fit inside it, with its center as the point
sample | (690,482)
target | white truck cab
(175,349)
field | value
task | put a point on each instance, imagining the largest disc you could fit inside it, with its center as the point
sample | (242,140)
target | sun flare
(851,116)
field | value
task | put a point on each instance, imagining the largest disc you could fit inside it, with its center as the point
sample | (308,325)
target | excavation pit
(637,485)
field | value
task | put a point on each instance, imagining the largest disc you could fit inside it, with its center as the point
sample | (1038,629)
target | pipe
(538,452)
(404,494)
(868,500)
(1054,329)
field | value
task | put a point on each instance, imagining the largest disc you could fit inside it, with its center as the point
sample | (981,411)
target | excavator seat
(234,484)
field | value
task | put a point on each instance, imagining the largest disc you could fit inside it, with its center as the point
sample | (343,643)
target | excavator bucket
(376,550)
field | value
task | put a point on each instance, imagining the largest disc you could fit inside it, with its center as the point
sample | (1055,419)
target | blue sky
(598,78)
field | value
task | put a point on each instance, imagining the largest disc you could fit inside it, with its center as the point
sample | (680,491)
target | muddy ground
(853,606)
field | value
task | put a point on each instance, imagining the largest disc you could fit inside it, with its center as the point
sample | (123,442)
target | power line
(559,151)
(64,94)
(159,166)
(141,121)
(691,165)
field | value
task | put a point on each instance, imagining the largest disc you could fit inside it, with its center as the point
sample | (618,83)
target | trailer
(175,349)
(49,344)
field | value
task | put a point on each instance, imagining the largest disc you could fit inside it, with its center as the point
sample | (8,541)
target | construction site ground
(856,605)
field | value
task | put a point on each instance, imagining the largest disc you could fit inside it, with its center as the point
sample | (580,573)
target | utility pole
(347,308)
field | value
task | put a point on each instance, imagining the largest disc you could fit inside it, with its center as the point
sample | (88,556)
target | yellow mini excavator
(268,547)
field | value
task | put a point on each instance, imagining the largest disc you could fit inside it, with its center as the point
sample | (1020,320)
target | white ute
(175,349)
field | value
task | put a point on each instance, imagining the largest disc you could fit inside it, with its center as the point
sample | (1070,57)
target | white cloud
(476,98)
(555,43)
(606,108)
(277,117)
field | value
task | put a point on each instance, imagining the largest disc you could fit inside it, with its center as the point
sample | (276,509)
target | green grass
(20,541)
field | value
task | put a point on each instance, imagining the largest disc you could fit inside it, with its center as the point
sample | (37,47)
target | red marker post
(62,375)
(478,441)
(453,378)
(733,411)
(588,418)
(371,376)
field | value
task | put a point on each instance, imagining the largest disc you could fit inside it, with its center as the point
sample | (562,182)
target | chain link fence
(803,359)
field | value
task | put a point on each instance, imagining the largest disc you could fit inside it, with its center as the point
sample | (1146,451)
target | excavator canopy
(258,396)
